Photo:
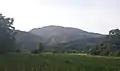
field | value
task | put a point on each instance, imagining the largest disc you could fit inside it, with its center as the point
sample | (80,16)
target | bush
(117,53)
(18,50)
(35,51)
(55,51)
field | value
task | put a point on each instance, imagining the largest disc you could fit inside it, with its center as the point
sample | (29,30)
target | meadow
(58,62)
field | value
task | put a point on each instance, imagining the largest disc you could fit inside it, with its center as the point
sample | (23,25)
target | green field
(57,62)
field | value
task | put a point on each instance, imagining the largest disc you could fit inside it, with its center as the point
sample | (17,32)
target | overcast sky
(90,15)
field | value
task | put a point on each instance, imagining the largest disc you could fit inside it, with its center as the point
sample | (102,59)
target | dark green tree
(18,50)
(41,47)
(114,38)
(7,32)
(109,46)
(35,51)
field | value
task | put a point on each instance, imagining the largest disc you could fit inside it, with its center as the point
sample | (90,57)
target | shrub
(35,51)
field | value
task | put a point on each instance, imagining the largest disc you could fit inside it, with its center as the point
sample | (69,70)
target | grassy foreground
(57,62)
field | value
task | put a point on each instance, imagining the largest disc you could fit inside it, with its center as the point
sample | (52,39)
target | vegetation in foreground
(57,62)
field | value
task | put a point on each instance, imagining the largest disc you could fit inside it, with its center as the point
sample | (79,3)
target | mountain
(55,36)
(64,32)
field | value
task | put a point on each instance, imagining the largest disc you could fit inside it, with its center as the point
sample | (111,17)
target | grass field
(58,62)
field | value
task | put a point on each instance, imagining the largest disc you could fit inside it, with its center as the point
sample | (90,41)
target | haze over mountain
(54,36)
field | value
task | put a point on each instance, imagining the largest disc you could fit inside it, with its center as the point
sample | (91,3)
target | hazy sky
(91,15)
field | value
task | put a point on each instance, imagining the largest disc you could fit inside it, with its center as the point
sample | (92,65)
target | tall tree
(41,47)
(114,38)
(110,45)
(7,32)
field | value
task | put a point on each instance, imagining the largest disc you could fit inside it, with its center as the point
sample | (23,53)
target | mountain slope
(58,34)
(56,37)
(27,41)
